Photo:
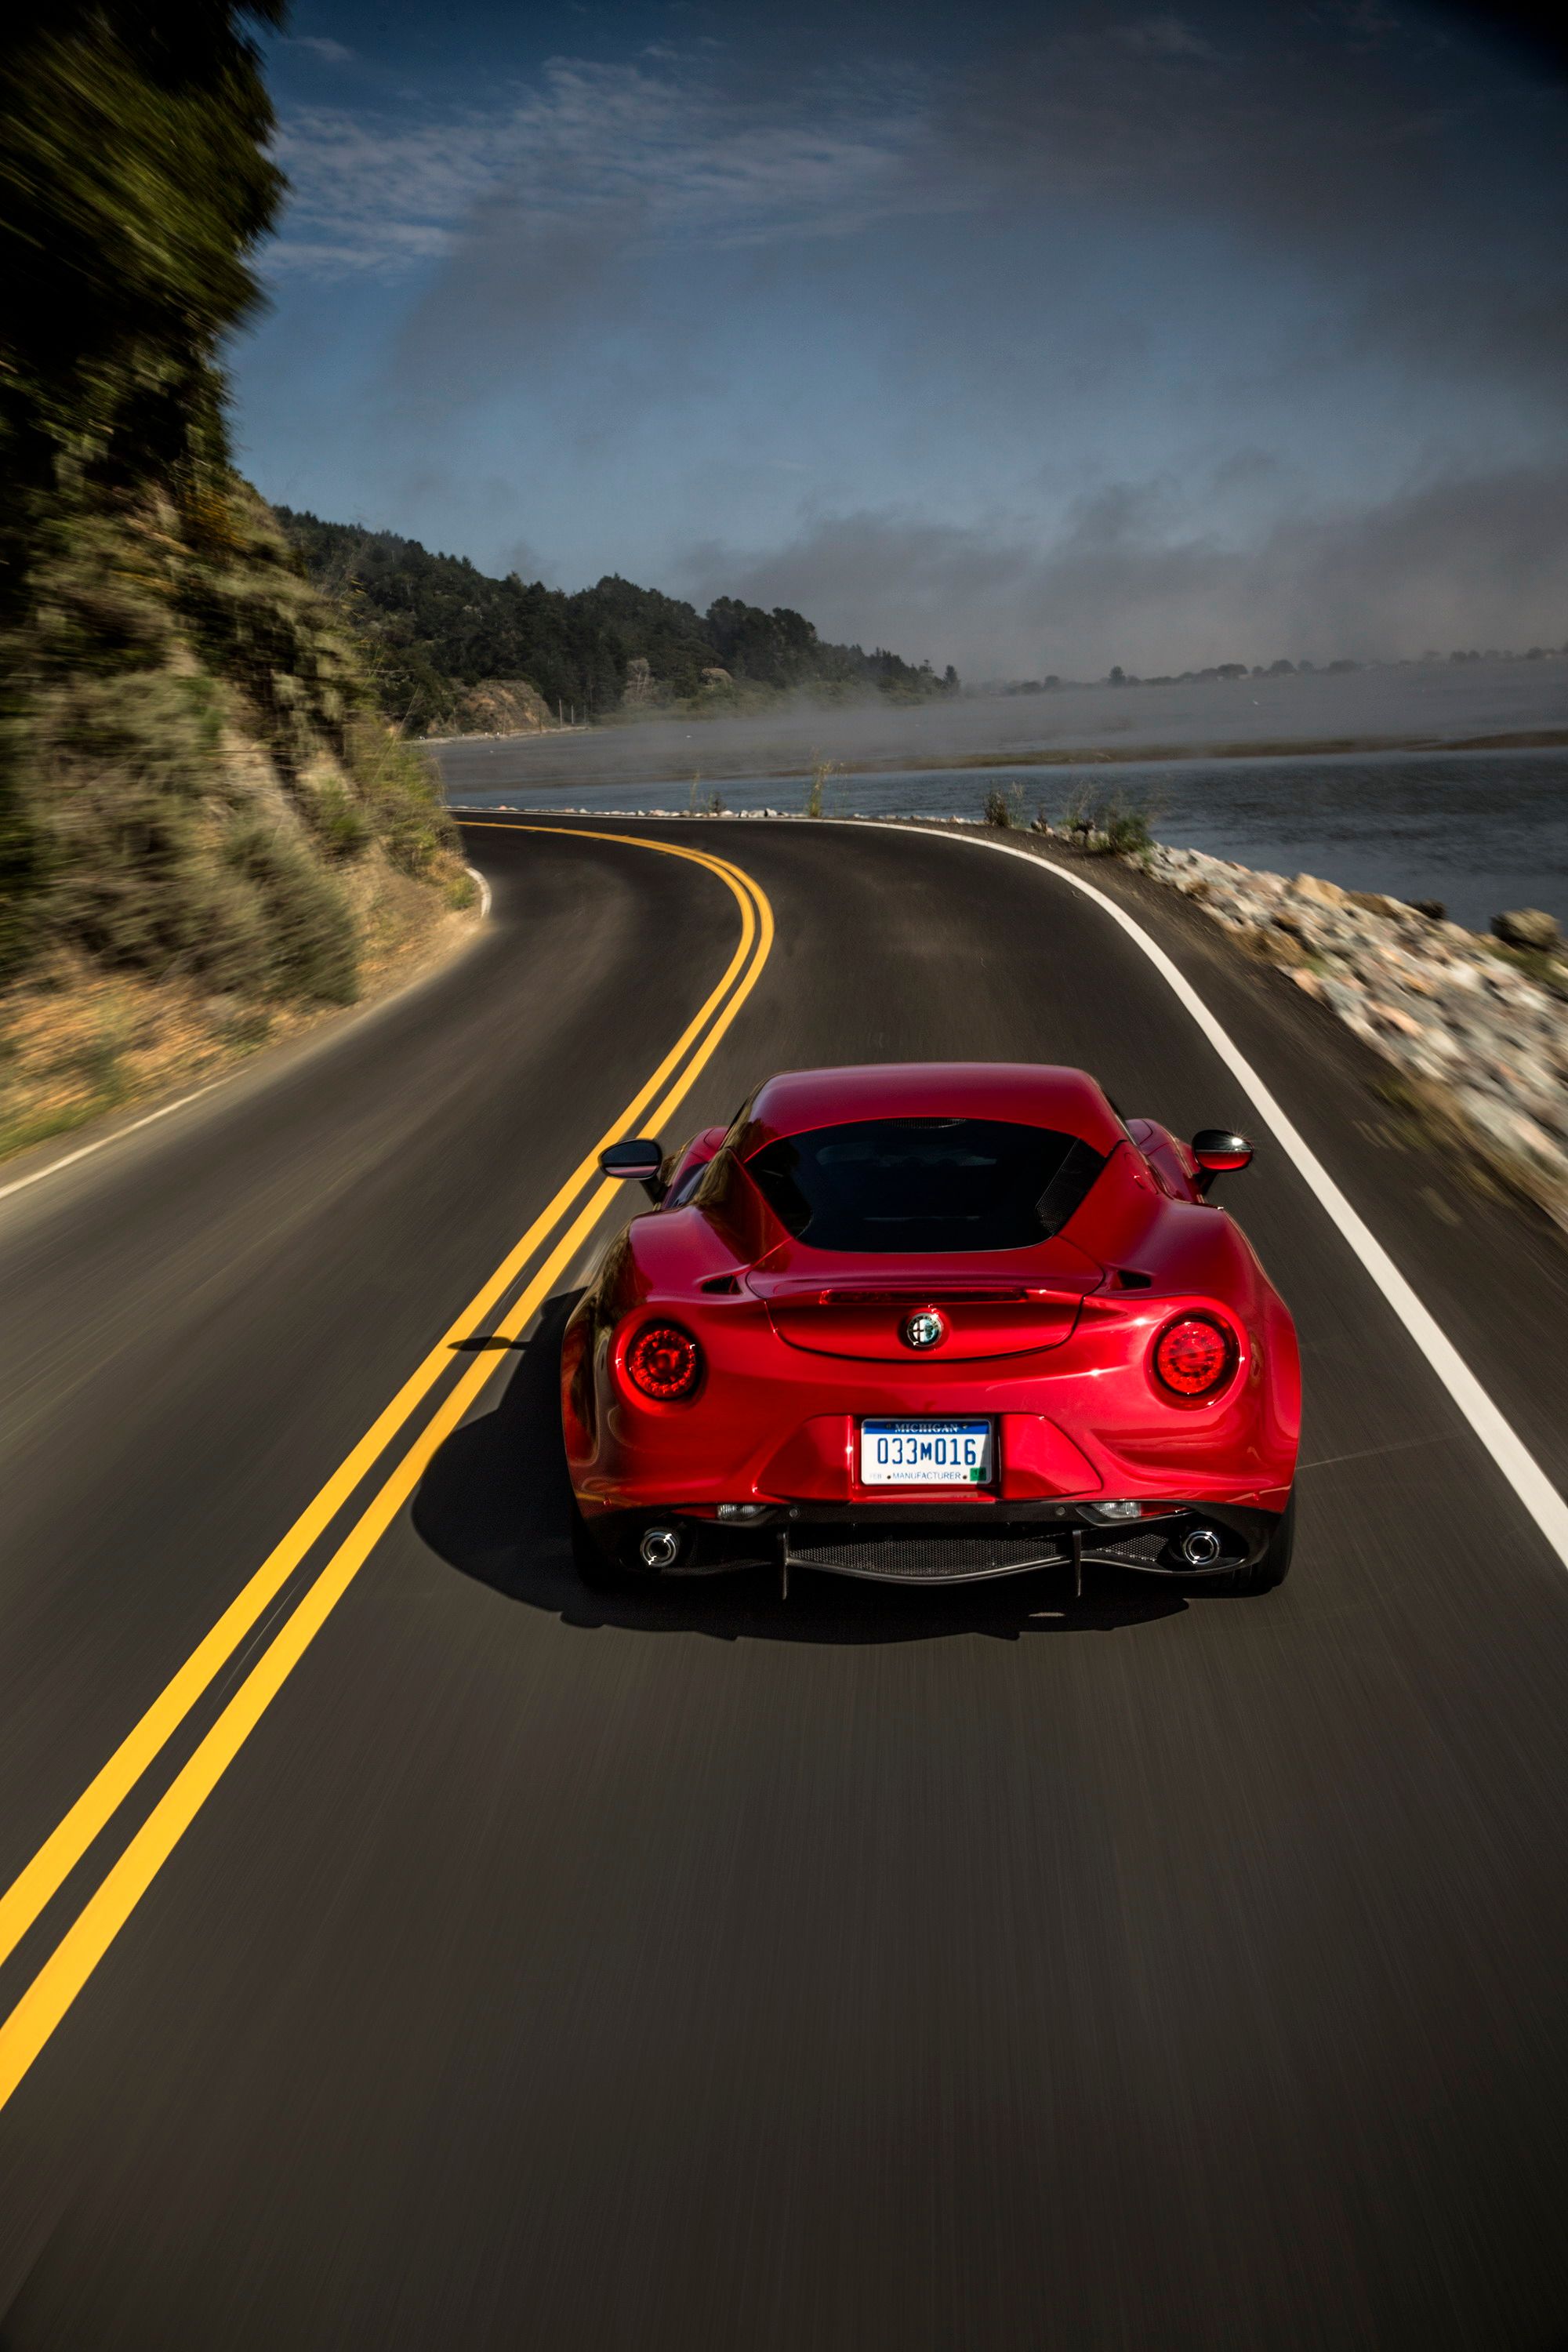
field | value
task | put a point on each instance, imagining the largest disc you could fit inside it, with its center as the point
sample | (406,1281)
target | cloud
(331,52)
(1341,142)
(660,145)
(1134,578)
(1288,123)
(1502,325)
(370,196)
(993,315)
(1331,139)
(1163,37)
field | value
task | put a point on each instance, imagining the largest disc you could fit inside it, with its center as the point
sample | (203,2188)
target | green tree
(440,624)
(134,185)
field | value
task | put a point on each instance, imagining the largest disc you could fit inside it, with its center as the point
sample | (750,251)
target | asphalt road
(709,1971)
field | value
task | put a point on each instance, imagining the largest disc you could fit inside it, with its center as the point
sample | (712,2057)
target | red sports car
(928,1322)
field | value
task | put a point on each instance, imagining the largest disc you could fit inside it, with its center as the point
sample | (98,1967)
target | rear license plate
(925,1453)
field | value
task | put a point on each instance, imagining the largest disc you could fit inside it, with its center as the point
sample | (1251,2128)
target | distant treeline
(437,626)
(1120,676)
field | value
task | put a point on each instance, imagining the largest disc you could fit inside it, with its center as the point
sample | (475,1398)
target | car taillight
(1193,1355)
(665,1362)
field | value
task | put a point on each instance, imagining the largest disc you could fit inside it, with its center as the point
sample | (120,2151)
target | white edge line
(1513,1458)
(86,1151)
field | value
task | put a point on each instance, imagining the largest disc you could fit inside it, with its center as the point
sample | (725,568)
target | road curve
(707,1969)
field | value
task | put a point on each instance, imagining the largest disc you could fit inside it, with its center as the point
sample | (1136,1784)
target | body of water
(1480,830)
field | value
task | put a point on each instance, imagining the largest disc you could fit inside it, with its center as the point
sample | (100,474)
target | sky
(1031,338)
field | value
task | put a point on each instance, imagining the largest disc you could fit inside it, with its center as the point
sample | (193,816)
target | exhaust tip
(1200,1547)
(659,1547)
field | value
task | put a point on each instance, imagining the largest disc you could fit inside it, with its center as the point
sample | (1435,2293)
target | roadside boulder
(1318,892)
(1527,927)
(1280,944)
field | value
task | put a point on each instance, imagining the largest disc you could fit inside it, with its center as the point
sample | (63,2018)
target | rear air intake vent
(721,1285)
(929,1559)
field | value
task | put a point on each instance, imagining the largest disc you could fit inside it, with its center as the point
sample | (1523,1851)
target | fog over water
(1435,703)
(1480,830)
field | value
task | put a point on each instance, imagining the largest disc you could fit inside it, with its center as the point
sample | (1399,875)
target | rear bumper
(763,1464)
(924,1545)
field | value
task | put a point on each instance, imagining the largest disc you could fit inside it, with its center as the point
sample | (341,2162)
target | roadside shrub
(1124,827)
(1108,826)
(311,945)
(401,797)
(228,939)
(821,772)
(263,628)
(337,822)
(121,762)
(1004,806)
(1078,815)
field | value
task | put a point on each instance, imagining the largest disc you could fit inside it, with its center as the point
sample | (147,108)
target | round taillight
(1193,1355)
(665,1362)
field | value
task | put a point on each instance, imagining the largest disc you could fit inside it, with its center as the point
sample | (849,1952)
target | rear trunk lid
(1029,1302)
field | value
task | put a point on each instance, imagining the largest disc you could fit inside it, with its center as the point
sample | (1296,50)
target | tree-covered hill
(437,625)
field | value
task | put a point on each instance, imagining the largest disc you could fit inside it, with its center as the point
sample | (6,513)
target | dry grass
(78,1043)
(822,774)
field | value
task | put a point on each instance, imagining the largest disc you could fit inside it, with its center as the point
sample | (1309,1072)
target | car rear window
(916,1185)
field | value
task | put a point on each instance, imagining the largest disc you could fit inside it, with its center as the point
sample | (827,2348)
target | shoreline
(1551,738)
(1473,1033)
(1169,755)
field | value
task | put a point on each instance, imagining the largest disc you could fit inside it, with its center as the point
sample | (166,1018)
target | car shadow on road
(496,1503)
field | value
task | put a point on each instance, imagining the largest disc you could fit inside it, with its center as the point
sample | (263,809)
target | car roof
(1030,1093)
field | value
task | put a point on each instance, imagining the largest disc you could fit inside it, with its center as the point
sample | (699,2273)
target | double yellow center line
(582,1200)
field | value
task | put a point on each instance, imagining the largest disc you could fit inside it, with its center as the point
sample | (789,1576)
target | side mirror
(640,1160)
(1218,1152)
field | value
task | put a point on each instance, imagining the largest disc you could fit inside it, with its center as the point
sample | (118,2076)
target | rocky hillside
(502,705)
(206,829)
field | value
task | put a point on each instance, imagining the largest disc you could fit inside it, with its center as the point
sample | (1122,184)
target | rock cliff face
(504,706)
(641,689)
(1480,1033)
